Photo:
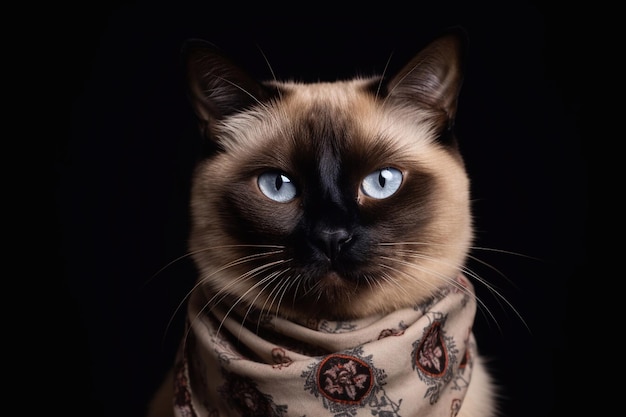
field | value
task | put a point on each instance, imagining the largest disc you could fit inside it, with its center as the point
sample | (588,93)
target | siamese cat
(331,224)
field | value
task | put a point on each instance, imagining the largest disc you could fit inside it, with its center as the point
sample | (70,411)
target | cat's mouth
(333,273)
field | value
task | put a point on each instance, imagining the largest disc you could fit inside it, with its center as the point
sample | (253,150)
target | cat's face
(335,200)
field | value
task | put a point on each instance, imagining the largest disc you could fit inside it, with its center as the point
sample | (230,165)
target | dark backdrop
(123,174)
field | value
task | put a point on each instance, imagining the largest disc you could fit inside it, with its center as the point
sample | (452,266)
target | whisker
(389,94)
(497,294)
(390,280)
(253,287)
(268,280)
(297,281)
(382,77)
(370,281)
(465,269)
(276,275)
(398,271)
(499,297)
(191,253)
(449,281)
(279,289)
(493,268)
(203,279)
(259,102)
(269,66)
(223,292)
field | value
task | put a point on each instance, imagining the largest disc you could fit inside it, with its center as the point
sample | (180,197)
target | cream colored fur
(409,116)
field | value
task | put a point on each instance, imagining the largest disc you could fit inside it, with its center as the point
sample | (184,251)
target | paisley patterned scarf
(415,361)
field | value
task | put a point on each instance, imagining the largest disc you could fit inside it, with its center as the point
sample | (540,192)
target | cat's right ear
(432,80)
(217,87)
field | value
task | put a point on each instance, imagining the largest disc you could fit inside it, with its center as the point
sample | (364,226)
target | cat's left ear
(432,80)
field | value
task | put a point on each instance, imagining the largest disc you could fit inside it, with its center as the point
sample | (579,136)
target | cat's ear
(217,87)
(432,79)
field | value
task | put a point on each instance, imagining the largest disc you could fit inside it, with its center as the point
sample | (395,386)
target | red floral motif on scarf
(344,378)
(432,356)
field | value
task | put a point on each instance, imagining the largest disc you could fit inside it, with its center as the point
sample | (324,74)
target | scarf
(414,361)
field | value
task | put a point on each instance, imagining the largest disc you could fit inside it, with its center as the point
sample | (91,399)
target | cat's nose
(332,241)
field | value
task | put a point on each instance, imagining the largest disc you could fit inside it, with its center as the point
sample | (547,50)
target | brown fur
(326,137)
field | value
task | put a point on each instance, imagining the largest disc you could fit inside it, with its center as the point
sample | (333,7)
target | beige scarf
(415,361)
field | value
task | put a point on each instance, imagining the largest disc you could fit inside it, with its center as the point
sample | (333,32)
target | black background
(123,173)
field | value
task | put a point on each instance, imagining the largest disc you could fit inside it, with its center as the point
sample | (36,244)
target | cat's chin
(332,298)
(335,288)
(332,280)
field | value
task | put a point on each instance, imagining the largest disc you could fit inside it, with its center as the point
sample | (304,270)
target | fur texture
(337,200)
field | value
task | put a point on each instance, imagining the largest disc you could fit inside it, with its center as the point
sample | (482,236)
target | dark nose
(331,241)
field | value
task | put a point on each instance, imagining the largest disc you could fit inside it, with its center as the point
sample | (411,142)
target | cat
(331,223)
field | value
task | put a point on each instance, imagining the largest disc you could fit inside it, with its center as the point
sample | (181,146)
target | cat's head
(333,199)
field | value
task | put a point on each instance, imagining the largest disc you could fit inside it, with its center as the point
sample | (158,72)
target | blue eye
(277,186)
(382,183)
